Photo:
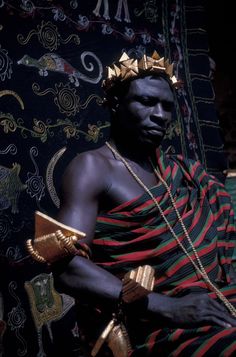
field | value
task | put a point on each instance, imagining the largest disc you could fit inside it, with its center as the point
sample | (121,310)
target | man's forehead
(149,82)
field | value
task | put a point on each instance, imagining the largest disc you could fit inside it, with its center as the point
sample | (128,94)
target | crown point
(123,71)
(124,57)
(167,63)
(135,66)
(143,63)
(161,62)
(116,70)
(169,68)
(156,55)
(111,72)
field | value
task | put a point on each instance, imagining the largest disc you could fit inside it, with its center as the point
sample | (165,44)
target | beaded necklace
(198,264)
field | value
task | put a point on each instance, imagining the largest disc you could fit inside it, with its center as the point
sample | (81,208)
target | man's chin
(151,143)
(152,138)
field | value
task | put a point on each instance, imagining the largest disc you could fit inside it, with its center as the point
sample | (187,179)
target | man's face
(146,109)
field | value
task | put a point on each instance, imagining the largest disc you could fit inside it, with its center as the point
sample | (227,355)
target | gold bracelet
(137,283)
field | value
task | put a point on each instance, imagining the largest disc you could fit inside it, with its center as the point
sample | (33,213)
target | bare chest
(123,185)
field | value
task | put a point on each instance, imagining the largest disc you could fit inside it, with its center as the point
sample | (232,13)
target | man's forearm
(82,279)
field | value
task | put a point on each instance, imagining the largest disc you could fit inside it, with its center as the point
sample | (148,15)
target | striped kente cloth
(134,233)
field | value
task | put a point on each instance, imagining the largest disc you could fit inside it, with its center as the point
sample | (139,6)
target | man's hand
(192,310)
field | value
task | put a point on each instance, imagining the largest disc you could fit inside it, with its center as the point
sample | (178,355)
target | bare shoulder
(85,180)
(92,160)
(88,169)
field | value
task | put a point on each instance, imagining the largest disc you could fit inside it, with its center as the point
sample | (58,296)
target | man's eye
(147,101)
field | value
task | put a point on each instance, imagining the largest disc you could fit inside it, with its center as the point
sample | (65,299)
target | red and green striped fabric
(134,234)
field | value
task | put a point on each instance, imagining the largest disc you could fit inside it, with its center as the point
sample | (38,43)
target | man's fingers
(217,321)
(218,306)
(225,319)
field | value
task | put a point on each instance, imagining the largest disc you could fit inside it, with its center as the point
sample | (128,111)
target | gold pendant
(102,338)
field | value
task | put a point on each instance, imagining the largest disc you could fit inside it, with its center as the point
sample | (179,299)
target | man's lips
(155,130)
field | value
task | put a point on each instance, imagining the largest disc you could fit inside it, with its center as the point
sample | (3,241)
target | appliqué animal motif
(106,15)
(10,187)
(53,62)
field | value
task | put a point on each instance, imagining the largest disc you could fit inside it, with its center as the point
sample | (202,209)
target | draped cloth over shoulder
(134,233)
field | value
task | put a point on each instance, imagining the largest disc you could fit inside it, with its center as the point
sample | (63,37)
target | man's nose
(158,111)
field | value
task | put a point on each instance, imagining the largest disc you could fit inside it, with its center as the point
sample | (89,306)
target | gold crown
(128,68)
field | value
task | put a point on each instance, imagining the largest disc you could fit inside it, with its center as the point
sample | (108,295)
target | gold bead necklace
(198,266)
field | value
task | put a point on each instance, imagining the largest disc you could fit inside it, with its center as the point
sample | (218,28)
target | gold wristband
(137,283)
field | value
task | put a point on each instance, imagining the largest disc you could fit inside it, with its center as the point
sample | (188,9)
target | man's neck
(137,152)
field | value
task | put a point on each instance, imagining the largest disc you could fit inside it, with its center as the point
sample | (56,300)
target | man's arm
(83,183)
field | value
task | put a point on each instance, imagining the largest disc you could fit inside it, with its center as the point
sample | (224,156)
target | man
(138,206)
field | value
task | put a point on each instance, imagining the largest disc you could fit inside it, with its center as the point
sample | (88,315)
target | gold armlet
(58,242)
